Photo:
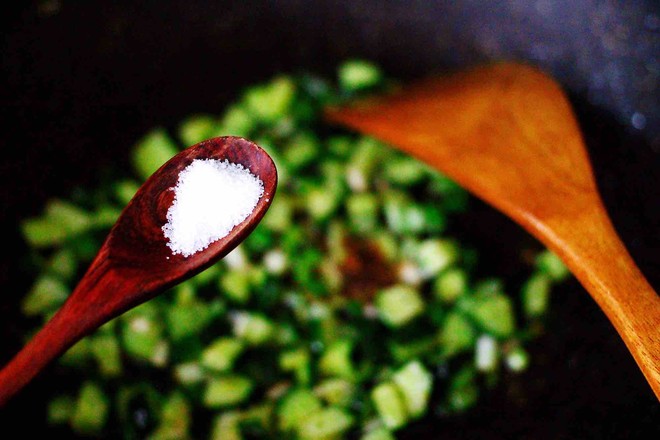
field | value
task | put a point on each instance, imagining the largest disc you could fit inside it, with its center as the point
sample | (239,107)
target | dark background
(81,81)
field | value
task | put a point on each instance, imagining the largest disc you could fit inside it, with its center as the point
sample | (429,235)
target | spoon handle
(81,313)
(593,251)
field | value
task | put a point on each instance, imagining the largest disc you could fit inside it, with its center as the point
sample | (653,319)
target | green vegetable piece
(196,129)
(60,410)
(142,335)
(398,305)
(221,354)
(227,426)
(435,255)
(463,391)
(235,284)
(189,373)
(517,359)
(227,391)
(297,405)
(536,295)
(389,405)
(175,419)
(302,150)
(297,361)
(402,215)
(105,216)
(362,209)
(456,335)
(320,203)
(61,221)
(91,410)
(106,351)
(340,145)
(336,391)
(355,75)
(124,190)
(271,101)
(336,359)
(415,383)
(405,171)
(189,319)
(486,353)
(552,266)
(362,163)
(379,433)
(237,121)
(43,232)
(78,355)
(328,423)
(450,285)
(280,214)
(151,152)
(493,312)
(63,264)
(253,328)
(45,296)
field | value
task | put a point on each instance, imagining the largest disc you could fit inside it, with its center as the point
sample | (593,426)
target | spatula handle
(600,261)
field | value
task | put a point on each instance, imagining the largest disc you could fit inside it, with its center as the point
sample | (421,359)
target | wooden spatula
(506,132)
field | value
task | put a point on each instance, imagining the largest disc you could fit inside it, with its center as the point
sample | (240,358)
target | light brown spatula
(506,132)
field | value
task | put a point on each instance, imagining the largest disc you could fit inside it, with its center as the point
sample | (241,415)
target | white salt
(211,197)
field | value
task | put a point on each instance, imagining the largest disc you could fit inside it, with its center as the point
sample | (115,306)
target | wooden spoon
(506,133)
(134,264)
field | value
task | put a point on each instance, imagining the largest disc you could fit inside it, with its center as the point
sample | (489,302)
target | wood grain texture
(134,263)
(507,133)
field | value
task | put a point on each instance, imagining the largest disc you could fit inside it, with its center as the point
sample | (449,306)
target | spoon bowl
(134,263)
(506,132)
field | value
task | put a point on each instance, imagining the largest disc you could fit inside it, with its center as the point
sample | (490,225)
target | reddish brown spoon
(134,264)
(506,132)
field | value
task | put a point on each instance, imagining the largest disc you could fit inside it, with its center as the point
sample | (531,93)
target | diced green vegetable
(189,373)
(456,335)
(46,295)
(271,101)
(152,151)
(336,360)
(398,305)
(492,311)
(517,359)
(415,384)
(390,405)
(107,353)
(335,391)
(327,423)
(435,255)
(536,295)
(227,391)
(357,74)
(362,209)
(551,265)
(295,407)
(175,419)
(226,426)
(297,361)
(450,285)
(221,354)
(196,129)
(91,410)
(253,328)
(378,434)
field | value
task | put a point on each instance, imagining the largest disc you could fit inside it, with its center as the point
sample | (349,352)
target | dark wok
(80,82)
